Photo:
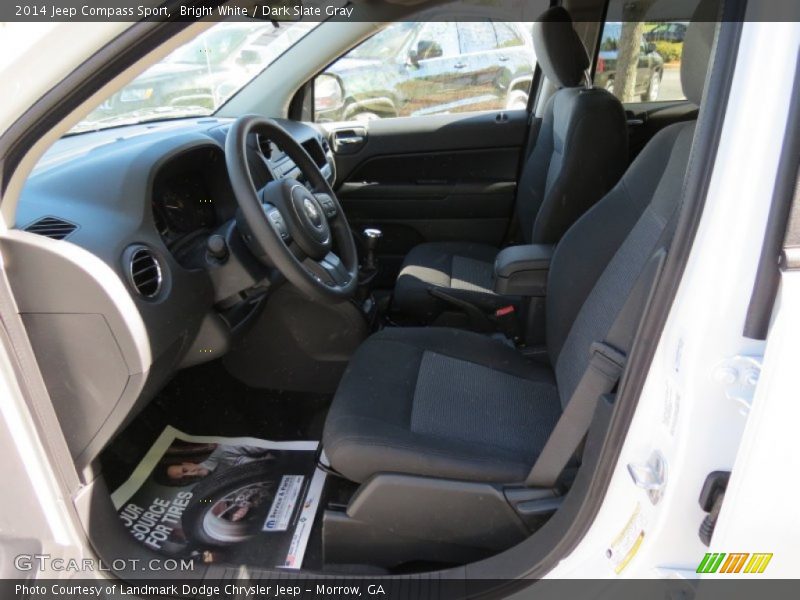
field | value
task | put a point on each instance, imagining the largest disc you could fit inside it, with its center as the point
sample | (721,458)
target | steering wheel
(288,226)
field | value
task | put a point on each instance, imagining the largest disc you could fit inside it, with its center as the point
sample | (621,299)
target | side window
(639,61)
(477,37)
(437,40)
(412,69)
(507,35)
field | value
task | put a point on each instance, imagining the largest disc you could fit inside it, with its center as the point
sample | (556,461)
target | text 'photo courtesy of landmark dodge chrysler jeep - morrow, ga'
(425,301)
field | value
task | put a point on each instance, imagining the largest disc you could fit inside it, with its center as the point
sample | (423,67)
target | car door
(429,178)
(446,169)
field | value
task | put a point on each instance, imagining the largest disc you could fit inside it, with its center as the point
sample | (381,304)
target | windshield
(200,76)
(215,46)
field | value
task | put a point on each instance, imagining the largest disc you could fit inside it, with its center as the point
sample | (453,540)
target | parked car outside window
(658,54)
(423,68)
(666,32)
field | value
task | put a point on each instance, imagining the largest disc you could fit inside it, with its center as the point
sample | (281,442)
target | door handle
(635,120)
(459,65)
(348,141)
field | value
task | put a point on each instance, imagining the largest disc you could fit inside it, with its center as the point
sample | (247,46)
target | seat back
(581,148)
(597,263)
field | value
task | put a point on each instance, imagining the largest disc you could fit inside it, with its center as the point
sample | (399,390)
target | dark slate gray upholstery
(465,270)
(453,404)
(580,152)
(440,402)
(559,51)
(593,243)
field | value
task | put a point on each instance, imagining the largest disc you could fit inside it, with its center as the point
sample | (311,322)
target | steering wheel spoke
(330,270)
(327,203)
(278,223)
(297,251)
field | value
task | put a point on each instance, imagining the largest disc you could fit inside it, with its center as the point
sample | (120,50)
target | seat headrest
(697,49)
(559,51)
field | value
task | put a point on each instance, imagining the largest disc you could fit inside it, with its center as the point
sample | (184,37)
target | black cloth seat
(453,404)
(581,151)
(442,402)
(462,269)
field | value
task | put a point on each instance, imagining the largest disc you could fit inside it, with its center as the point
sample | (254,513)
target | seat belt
(606,365)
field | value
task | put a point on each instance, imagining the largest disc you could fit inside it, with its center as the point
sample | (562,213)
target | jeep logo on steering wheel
(312,212)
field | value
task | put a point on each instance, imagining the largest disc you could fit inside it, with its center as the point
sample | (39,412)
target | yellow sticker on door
(625,546)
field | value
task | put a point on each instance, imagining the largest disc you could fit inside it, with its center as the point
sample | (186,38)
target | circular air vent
(145,272)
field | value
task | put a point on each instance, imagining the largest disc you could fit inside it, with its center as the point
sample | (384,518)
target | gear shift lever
(372,236)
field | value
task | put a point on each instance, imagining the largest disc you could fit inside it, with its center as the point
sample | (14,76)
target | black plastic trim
(765,287)
(596,52)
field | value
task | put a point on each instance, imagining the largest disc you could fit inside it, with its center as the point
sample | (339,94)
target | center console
(522,270)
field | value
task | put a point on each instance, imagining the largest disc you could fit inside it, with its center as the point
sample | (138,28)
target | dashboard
(109,252)
(189,195)
(160,186)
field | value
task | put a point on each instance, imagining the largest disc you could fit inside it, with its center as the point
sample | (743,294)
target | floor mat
(207,399)
(237,500)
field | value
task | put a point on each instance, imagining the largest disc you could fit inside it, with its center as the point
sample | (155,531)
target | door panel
(409,214)
(645,119)
(432,178)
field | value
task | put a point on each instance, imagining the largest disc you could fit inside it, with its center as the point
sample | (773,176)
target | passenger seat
(581,151)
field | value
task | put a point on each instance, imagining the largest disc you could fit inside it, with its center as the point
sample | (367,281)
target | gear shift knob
(372,236)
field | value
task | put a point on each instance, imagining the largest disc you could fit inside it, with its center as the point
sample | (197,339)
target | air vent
(145,272)
(325,145)
(52,227)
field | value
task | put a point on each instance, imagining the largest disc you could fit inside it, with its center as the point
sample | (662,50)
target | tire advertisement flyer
(214,498)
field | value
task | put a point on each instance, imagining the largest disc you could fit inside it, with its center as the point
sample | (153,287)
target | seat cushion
(440,402)
(465,268)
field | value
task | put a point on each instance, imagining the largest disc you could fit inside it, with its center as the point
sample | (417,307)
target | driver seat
(452,404)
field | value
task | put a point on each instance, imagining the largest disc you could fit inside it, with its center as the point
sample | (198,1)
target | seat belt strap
(604,371)
(606,364)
